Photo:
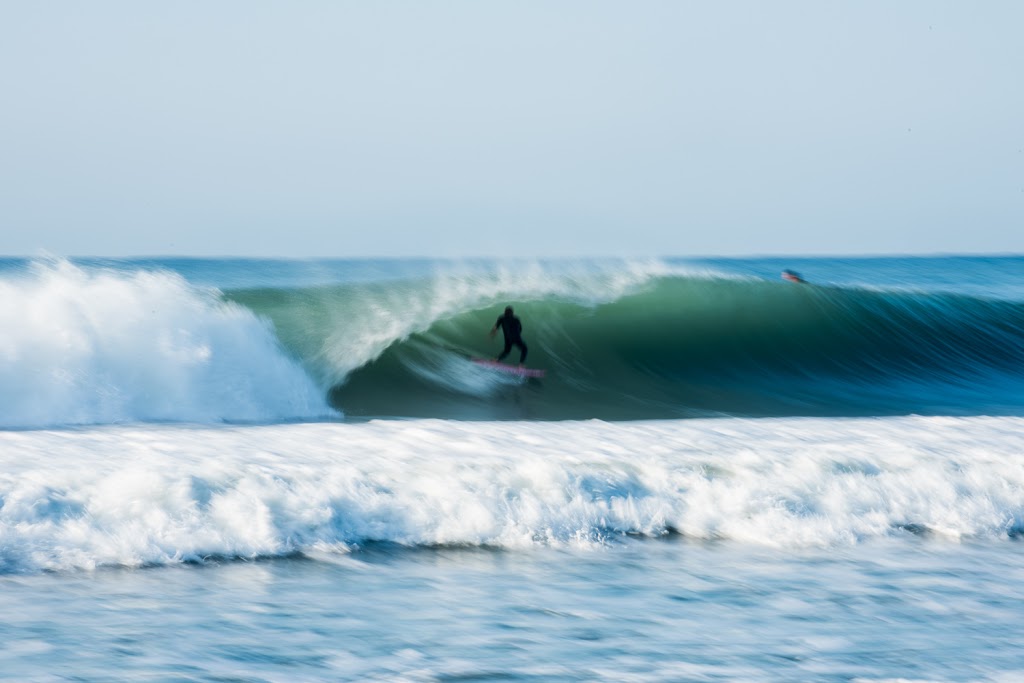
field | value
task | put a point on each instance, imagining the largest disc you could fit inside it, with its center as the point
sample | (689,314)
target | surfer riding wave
(512,328)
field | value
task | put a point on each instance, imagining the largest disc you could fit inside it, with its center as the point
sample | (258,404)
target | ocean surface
(246,470)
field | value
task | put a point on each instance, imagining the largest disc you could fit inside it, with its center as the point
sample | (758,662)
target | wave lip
(95,346)
(127,496)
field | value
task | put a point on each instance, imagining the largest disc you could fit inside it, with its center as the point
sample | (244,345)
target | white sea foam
(134,495)
(457,374)
(83,346)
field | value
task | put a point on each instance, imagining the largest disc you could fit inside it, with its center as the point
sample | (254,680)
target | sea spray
(91,345)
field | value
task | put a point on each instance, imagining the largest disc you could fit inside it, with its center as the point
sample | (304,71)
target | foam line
(134,496)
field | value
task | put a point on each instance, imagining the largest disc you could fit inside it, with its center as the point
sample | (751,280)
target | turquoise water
(288,470)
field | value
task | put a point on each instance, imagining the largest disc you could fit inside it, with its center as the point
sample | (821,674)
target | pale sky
(529,129)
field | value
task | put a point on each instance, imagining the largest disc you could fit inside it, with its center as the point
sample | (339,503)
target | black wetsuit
(513,330)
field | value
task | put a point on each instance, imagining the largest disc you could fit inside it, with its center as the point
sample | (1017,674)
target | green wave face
(663,347)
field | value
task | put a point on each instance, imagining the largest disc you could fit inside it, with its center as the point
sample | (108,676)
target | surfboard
(510,369)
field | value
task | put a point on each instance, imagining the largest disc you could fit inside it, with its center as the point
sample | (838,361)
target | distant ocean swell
(87,345)
(134,496)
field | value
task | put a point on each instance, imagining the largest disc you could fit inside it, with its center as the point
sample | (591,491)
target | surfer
(792,276)
(513,329)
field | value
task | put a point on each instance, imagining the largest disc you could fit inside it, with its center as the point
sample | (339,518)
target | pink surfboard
(510,369)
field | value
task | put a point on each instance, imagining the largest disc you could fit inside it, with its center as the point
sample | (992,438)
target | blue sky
(528,129)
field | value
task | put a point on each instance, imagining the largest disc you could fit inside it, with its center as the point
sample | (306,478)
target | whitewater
(291,470)
(140,497)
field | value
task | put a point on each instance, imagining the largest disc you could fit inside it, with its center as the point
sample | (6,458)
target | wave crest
(90,345)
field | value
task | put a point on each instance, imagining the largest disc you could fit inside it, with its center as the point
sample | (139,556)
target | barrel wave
(130,342)
(651,342)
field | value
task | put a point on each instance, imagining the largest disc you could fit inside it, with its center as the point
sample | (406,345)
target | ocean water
(243,470)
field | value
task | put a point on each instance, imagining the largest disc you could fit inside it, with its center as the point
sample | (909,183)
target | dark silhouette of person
(792,276)
(513,329)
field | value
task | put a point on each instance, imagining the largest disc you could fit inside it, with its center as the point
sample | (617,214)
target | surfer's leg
(522,351)
(508,348)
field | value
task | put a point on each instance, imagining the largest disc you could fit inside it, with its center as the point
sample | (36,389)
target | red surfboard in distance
(510,369)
